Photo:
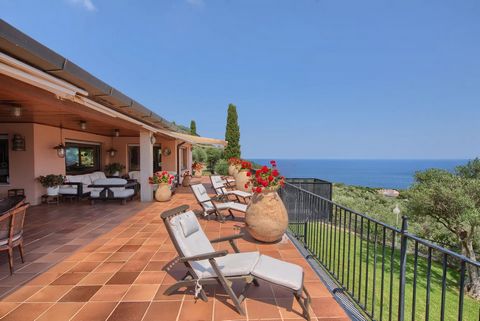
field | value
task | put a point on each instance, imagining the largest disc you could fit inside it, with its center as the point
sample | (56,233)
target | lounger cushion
(240,193)
(230,265)
(189,225)
(193,244)
(279,272)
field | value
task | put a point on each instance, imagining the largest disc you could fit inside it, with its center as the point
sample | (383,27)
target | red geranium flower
(265,183)
(249,174)
(270,178)
(259,189)
(275,173)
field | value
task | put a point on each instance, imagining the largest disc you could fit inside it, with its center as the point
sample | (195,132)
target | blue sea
(396,174)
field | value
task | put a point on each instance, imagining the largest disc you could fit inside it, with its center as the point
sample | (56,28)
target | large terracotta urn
(163,192)
(232,170)
(241,179)
(266,217)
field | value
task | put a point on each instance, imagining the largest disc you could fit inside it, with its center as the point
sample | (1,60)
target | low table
(51,199)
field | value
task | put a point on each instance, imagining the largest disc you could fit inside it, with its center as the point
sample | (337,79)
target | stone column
(146,165)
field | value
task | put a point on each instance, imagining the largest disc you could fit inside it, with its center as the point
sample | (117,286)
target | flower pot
(266,217)
(241,179)
(53,191)
(232,170)
(163,192)
(186,180)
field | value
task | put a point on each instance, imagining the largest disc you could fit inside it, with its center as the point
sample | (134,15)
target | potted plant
(164,181)
(52,182)
(233,166)
(243,176)
(187,178)
(114,169)
(197,169)
(266,217)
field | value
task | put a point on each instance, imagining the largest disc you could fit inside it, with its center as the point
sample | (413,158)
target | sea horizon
(372,172)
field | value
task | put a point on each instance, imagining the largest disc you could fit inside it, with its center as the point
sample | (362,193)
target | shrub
(221,167)
(199,155)
(51,180)
(213,155)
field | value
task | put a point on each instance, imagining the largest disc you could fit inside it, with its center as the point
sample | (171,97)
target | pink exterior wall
(21,169)
(41,159)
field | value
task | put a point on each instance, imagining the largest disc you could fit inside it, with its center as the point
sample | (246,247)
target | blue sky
(311,79)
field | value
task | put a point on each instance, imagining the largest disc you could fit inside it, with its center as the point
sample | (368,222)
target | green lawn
(342,251)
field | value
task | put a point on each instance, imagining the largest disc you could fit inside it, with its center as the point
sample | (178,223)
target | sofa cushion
(96,175)
(68,190)
(110,181)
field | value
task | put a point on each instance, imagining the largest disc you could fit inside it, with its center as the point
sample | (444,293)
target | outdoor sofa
(78,185)
(206,266)
(112,189)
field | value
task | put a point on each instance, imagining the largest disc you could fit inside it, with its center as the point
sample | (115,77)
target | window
(4,163)
(134,158)
(82,158)
(184,159)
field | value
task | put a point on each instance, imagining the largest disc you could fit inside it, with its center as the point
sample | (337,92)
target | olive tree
(453,201)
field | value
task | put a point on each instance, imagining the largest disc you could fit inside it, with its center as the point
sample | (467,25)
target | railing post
(305,228)
(403,266)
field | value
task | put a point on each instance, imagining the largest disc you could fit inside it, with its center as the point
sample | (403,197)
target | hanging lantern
(60,150)
(112,152)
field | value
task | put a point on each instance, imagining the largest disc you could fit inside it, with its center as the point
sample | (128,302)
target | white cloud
(196,3)
(86,4)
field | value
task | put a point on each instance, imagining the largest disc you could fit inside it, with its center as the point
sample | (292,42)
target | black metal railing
(387,272)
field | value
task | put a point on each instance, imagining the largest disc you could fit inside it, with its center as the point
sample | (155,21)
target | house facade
(47,101)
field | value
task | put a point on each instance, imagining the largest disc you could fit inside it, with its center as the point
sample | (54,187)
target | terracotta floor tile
(174,297)
(110,293)
(6,307)
(290,309)
(96,279)
(164,310)
(81,293)
(95,311)
(129,248)
(147,277)
(155,266)
(22,294)
(97,257)
(27,312)
(50,293)
(123,278)
(109,267)
(69,278)
(317,289)
(142,292)
(84,266)
(262,309)
(119,257)
(129,311)
(225,310)
(60,312)
(44,279)
(134,266)
(202,311)
(327,307)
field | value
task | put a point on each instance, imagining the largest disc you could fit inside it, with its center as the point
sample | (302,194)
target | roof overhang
(192,139)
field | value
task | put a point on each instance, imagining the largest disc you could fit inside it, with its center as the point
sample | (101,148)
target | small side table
(51,199)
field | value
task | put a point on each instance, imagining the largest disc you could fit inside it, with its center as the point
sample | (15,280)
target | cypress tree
(193,128)
(232,133)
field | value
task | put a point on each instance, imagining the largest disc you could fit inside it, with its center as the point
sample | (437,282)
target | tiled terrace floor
(120,276)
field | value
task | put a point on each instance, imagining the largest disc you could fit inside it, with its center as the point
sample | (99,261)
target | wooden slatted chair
(221,188)
(205,266)
(11,232)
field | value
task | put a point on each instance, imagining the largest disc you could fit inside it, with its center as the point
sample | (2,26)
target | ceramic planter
(163,192)
(186,180)
(53,191)
(266,217)
(241,179)
(232,170)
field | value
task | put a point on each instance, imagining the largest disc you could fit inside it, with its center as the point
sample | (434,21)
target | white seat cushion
(189,225)
(230,265)
(5,241)
(240,193)
(68,189)
(279,272)
(237,206)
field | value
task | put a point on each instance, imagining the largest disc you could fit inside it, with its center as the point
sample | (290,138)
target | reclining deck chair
(215,205)
(206,266)
(221,188)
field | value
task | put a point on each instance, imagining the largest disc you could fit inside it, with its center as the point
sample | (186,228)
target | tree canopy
(232,133)
(193,128)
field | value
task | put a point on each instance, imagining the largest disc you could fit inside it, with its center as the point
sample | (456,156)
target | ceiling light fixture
(83,124)
(117,132)
(60,147)
(16,111)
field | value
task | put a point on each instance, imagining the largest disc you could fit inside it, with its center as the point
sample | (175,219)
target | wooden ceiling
(39,106)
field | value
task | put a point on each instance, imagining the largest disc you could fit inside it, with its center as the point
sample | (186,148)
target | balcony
(107,262)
